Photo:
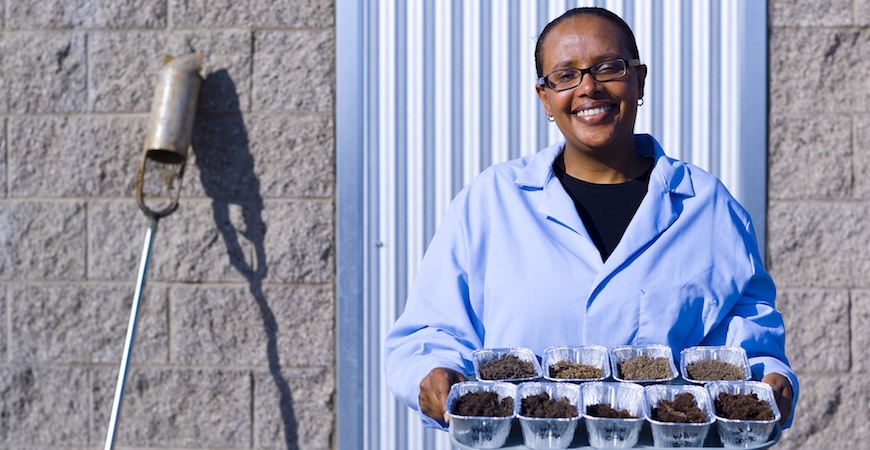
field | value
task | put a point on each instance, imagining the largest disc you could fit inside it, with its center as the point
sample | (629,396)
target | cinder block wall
(235,345)
(819,210)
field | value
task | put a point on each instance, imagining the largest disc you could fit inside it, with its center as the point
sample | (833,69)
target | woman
(601,239)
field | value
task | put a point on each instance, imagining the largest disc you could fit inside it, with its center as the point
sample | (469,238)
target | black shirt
(606,209)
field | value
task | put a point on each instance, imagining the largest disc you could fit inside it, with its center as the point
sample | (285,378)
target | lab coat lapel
(556,206)
(669,183)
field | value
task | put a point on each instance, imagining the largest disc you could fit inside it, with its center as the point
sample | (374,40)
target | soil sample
(713,370)
(682,410)
(644,368)
(565,369)
(542,406)
(742,407)
(506,367)
(604,410)
(484,404)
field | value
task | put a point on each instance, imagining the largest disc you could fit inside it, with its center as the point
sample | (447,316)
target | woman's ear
(542,94)
(641,79)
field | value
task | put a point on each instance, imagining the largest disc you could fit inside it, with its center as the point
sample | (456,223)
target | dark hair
(627,34)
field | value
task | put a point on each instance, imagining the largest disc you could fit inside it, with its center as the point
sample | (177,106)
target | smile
(594,111)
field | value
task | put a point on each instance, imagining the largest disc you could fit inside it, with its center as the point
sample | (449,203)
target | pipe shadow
(226,170)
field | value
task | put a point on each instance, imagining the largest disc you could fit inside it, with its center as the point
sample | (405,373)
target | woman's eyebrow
(572,63)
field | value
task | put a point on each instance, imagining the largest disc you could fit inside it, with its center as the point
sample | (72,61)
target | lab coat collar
(671,173)
(658,210)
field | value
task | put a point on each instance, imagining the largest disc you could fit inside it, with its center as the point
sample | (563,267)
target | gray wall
(818,211)
(235,345)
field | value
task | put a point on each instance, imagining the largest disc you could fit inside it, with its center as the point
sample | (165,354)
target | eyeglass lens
(563,79)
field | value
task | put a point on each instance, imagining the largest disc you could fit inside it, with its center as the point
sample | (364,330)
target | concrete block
(818,244)
(252,326)
(176,408)
(819,70)
(124,68)
(831,413)
(817,329)
(44,406)
(3,163)
(294,408)
(304,251)
(860,322)
(862,13)
(74,156)
(43,72)
(85,324)
(810,158)
(259,156)
(4,323)
(861,156)
(294,71)
(41,14)
(810,13)
(255,14)
(42,241)
(186,247)
(220,241)
(226,68)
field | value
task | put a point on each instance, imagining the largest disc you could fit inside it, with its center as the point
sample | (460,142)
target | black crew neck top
(606,209)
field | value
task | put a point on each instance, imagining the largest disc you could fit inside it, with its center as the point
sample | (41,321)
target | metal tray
(515,439)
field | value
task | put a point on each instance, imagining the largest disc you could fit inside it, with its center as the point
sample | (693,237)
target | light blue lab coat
(512,265)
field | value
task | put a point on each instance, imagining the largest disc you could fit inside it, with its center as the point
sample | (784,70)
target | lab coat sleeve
(754,323)
(437,327)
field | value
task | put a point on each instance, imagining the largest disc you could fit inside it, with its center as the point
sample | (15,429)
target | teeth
(593,111)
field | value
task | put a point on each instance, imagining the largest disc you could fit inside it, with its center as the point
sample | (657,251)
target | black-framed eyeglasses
(564,79)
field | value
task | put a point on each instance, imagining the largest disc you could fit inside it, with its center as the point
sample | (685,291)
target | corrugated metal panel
(448,89)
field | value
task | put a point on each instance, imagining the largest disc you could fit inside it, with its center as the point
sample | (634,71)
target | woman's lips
(595,113)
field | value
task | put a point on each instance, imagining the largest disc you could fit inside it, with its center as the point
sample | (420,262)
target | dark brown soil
(683,410)
(565,369)
(606,411)
(644,368)
(543,406)
(743,407)
(485,404)
(712,370)
(505,368)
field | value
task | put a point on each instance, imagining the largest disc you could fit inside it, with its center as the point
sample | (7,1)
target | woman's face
(594,115)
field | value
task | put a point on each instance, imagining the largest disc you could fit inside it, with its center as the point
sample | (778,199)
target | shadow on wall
(226,167)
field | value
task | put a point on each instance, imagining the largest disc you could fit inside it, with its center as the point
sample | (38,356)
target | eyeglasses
(564,79)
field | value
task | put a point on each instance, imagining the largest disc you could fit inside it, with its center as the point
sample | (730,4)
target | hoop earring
(640,101)
(551,119)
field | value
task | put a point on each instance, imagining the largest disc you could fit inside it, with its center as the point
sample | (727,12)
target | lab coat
(512,265)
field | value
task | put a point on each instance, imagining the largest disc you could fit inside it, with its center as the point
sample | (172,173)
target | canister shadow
(226,168)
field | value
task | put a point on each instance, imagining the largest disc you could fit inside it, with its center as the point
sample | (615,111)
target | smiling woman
(601,239)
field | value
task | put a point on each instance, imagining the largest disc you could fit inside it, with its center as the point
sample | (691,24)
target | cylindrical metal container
(172,112)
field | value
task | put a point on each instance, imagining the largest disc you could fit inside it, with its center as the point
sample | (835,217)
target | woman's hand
(434,389)
(781,392)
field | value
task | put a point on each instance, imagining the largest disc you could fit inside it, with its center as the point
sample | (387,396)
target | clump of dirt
(565,369)
(542,406)
(743,407)
(644,368)
(606,411)
(506,367)
(713,370)
(484,404)
(683,410)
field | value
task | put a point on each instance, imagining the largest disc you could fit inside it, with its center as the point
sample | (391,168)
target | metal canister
(173,109)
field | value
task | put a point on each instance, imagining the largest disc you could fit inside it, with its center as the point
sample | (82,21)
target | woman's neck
(604,166)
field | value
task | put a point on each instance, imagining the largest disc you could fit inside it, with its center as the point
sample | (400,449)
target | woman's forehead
(585,36)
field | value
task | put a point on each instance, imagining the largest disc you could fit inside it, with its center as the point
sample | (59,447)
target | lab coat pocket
(679,316)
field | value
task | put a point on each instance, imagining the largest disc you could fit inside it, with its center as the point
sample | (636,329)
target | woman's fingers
(434,389)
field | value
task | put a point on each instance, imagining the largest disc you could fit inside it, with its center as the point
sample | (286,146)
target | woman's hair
(627,34)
